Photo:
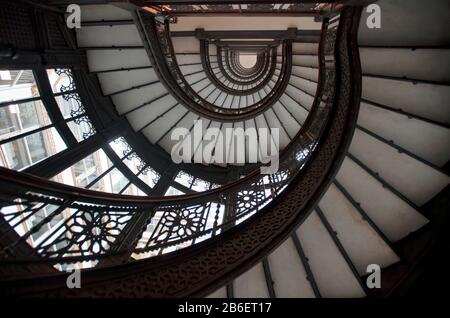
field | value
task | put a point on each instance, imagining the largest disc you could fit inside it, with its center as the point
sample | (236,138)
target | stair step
(288,273)
(142,116)
(106,36)
(186,122)
(186,45)
(426,100)
(429,64)
(129,100)
(156,130)
(309,87)
(299,112)
(110,83)
(331,272)
(414,179)
(422,138)
(102,60)
(300,96)
(251,284)
(99,12)
(362,244)
(395,217)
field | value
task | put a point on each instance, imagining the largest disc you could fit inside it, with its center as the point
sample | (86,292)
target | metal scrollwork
(149,170)
(164,60)
(66,73)
(88,129)
(85,233)
(176,224)
(127,150)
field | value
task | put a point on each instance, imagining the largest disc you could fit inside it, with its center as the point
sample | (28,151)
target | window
(118,181)
(87,172)
(113,182)
(30,113)
(36,146)
(81,128)
(189,181)
(133,190)
(134,162)
(61,80)
(30,149)
(69,103)
(184,178)
(17,85)
(173,191)
(27,135)
(22,137)
(24,116)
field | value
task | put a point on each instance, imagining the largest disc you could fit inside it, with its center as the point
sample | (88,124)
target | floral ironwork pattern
(85,233)
(177,224)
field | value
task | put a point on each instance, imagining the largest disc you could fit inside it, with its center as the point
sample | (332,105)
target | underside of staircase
(364,139)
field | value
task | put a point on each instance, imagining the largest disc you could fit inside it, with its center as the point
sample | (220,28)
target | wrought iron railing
(165,64)
(259,76)
(228,228)
(174,8)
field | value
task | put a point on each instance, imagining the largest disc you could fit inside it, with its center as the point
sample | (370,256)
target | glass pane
(17,85)
(36,147)
(85,171)
(9,121)
(20,118)
(70,105)
(84,166)
(133,163)
(149,176)
(81,128)
(28,114)
(184,178)
(118,181)
(173,191)
(16,154)
(120,147)
(200,185)
(133,190)
(28,150)
(61,80)
(113,182)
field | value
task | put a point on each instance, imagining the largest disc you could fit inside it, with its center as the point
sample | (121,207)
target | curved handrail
(233,64)
(231,79)
(266,71)
(165,65)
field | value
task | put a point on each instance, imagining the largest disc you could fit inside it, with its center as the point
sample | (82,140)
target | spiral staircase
(364,137)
